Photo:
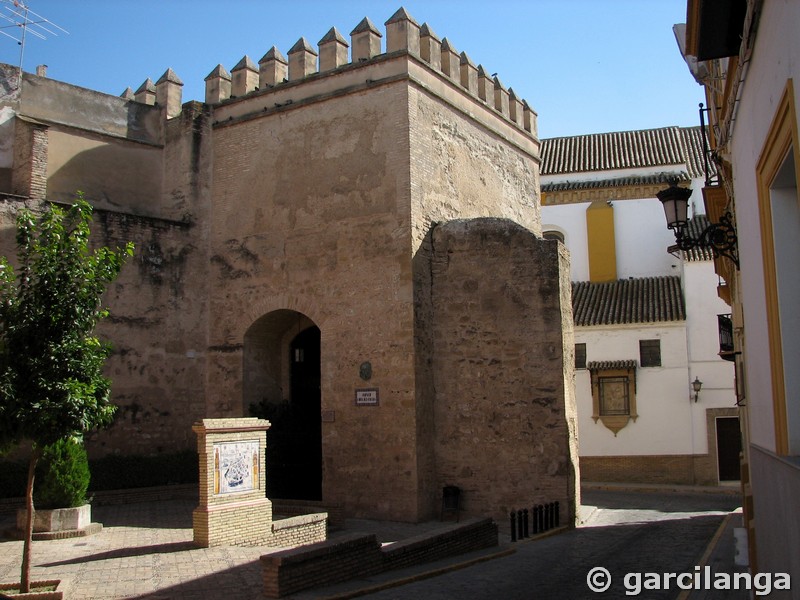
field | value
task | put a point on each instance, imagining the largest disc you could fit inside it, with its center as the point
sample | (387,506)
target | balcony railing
(726,349)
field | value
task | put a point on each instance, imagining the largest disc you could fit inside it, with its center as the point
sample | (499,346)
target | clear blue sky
(586,66)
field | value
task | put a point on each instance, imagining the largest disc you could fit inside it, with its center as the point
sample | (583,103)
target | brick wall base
(234,524)
(678,469)
(294,508)
(358,555)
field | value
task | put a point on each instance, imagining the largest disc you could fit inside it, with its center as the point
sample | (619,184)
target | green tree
(51,382)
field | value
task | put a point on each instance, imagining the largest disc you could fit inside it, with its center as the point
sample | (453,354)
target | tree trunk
(25,576)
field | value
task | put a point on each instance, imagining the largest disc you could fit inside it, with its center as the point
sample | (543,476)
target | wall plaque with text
(367,397)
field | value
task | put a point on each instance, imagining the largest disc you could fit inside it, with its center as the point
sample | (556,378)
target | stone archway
(281,382)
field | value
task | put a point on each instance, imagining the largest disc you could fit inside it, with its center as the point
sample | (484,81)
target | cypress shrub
(62,475)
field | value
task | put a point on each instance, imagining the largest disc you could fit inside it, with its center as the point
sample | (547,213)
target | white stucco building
(646,322)
(746,54)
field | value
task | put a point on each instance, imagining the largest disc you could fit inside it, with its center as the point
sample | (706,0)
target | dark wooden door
(729,445)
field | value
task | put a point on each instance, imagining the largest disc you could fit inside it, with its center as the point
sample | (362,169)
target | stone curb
(90,529)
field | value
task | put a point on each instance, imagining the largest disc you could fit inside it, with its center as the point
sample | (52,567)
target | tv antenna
(17,20)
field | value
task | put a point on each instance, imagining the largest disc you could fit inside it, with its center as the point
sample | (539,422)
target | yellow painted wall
(602,249)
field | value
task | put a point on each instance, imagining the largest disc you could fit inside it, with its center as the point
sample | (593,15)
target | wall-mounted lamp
(696,385)
(719,237)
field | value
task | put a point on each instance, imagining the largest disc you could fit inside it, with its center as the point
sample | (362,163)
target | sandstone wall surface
(461,168)
(502,429)
(310,214)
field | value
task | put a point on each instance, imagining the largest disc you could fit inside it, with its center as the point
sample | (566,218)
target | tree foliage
(51,382)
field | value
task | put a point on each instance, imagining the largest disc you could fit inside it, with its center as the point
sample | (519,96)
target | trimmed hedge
(115,472)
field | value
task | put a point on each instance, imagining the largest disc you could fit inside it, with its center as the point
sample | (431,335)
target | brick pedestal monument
(234,509)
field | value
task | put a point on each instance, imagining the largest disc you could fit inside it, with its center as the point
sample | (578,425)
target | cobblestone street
(624,532)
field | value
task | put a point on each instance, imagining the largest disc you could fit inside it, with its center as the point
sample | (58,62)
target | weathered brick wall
(156,311)
(156,307)
(673,468)
(310,214)
(359,555)
(463,170)
(289,571)
(159,304)
(29,173)
(503,434)
(450,541)
(301,530)
(461,167)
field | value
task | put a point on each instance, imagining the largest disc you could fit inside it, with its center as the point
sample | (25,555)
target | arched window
(553,235)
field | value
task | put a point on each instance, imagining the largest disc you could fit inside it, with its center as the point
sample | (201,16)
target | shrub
(62,476)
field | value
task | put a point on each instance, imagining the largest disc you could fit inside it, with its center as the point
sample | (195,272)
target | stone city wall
(502,412)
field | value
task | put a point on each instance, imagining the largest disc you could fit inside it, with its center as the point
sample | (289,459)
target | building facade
(745,55)
(645,319)
(349,245)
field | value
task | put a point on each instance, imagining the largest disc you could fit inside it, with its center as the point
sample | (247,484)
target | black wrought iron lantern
(720,237)
(675,201)
(697,385)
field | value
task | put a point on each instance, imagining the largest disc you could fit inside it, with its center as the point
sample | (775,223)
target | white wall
(702,331)
(640,229)
(670,421)
(702,307)
(6,137)
(662,394)
(774,61)
(570,220)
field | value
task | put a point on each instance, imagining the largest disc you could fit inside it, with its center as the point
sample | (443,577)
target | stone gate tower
(353,245)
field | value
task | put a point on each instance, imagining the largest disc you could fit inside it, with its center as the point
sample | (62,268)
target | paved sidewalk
(145,551)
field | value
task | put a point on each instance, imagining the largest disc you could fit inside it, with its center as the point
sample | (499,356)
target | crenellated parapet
(272,70)
(306,62)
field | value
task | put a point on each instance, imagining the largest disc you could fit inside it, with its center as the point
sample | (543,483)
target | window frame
(625,370)
(582,353)
(781,139)
(648,349)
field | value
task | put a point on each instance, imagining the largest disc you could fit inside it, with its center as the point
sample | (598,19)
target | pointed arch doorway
(282,384)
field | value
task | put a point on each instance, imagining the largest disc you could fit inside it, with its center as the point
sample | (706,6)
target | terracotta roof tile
(658,178)
(626,301)
(694,229)
(625,150)
(609,365)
